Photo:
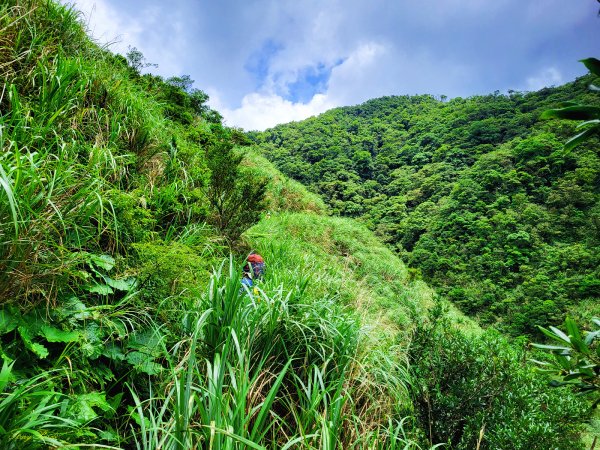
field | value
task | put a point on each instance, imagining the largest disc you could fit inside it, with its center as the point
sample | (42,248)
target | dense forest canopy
(476,193)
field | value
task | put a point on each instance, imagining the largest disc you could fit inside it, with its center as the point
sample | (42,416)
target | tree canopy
(478,194)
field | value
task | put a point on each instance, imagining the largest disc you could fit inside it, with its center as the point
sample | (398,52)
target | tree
(236,195)
(183,82)
(182,93)
(137,60)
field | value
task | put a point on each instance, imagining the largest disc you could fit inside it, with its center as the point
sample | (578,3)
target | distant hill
(477,193)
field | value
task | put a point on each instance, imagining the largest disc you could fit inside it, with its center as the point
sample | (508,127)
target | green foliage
(235,194)
(476,392)
(576,357)
(478,194)
(283,193)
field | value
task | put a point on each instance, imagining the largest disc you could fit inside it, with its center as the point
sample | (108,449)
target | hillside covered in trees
(477,194)
(127,210)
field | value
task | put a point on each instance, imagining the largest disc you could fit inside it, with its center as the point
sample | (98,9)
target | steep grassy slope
(112,329)
(123,323)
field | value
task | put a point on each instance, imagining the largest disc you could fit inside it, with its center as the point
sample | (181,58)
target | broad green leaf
(593,65)
(74,310)
(8,322)
(147,341)
(53,334)
(591,336)
(553,336)
(581,112)
(144,363)
(124,284)
(82,406)
(92,344)
(575,336)
(579,138)
(101,289)
(105,262)
(36,348)
(114,352)
(560,334)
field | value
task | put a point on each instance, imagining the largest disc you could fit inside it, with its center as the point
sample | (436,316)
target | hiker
(253,270)
(255,266)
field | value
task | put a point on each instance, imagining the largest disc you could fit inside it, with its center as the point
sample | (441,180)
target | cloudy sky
(265,62)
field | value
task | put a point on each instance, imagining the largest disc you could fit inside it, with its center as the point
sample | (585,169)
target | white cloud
(372,70)
(262,111)
(158,34)
(454,47)
(265,109)
(550,76)
(108,26)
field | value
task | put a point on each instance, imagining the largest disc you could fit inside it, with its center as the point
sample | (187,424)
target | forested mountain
(127,212)
(477,194)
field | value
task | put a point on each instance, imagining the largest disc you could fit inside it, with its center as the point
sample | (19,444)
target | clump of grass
(272,370)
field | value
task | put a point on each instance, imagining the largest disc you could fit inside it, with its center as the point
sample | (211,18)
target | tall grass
(272,370)
(90,167)
(70,130)
(30,414)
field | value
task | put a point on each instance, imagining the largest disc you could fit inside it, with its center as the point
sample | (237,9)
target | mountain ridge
(428,175)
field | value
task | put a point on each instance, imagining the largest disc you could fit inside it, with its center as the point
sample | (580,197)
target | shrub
(478,392)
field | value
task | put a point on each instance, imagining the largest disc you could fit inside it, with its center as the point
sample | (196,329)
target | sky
(265,62)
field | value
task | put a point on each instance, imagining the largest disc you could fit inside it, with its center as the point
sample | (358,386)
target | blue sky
(265,62)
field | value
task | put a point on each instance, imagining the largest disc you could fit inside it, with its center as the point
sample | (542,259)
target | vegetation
(455,372)
(478,194)
(576,358)
(126,210)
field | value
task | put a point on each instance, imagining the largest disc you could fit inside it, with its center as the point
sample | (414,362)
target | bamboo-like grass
(287,367)
(272,371)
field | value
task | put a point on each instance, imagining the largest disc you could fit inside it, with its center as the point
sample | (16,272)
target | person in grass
(253,270)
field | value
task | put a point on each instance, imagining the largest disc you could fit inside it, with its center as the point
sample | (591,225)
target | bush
(477,391)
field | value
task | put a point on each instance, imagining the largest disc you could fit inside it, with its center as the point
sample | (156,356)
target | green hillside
(127,210)
(476,193)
